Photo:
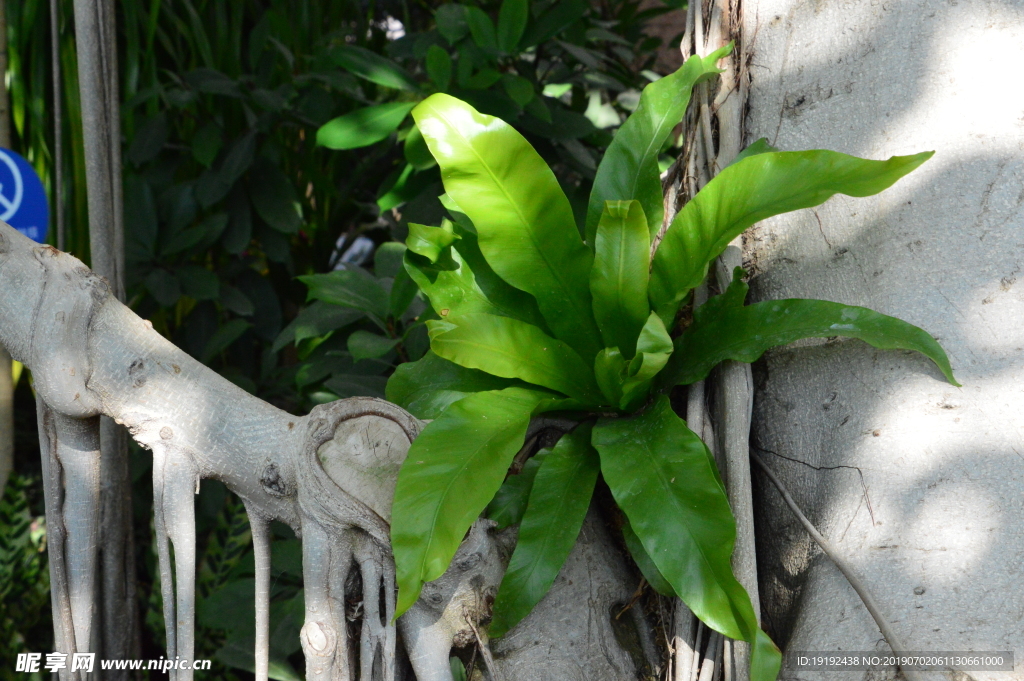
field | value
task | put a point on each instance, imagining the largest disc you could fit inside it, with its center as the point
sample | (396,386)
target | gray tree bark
(96,44)
(917,482)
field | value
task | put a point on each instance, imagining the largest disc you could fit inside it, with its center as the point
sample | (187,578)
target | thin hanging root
(695,661)
(180,520)
(711,657)
(53,493)
(260,527)
(851,576)
(163,551)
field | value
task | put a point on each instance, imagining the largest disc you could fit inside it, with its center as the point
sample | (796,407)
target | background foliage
(229,199)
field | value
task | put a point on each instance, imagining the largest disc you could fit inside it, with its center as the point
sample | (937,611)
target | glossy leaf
(610,371)
(618,280)
(653,349)
(452,471)
(629,169)
(363,127)
(765,658)
(756,188)
(462,282)
(513,349)
(427,386)
(554,515)
(525,225)
(729,330)
(643,561)
(509,502)
(661,476)
(653,340)
(409,185)
(373,67)
(511,23)
(403,291)
(430,241)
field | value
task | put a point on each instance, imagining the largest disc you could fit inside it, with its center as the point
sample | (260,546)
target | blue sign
(22,197)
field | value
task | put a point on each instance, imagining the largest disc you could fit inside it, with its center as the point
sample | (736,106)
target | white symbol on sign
(10,205)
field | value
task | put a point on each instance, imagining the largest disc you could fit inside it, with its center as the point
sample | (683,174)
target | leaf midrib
(646,450)
(451,481)
(572,300)
(563,501)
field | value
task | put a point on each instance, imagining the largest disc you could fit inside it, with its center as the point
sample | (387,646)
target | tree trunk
(916,482)
(98,84)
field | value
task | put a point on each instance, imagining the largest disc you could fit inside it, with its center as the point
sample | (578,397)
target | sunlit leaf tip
(364,126)
(755,188)
(629,168)
(524,222)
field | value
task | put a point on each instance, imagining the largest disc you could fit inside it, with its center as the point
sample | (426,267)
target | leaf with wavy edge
(451,472)
(629,168)
(653,349)
(618,279)
(661,476)
(724,329)
(460,282)
(554,515)
(429,242)
(426,387)
(513,349)
(751,190)
(525,224)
